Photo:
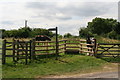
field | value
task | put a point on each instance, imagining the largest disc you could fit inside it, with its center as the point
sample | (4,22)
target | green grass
(111,59)
(50,66)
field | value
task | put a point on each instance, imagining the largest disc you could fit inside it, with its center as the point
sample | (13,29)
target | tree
(40,31)
(2,33)
(24,32)
(117,28)
(83,32)
(101,26)
(67,35)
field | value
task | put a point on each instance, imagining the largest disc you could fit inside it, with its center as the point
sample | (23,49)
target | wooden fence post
(118,54)
(26,52)
(80,47)
(33,49)
(17,50)
(47,47)
(94,48)
(30,49)
(13,43)
(4,52)
(57,43)
(65,46)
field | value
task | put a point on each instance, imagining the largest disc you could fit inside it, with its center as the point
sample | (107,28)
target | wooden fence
(28,50)
(81,46)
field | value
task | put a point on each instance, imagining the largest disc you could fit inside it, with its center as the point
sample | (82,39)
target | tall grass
(106,40)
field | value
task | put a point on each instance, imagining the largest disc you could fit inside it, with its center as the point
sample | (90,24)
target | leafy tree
(101,26)
(117,28)
(24,32)
(83,32)
(2,33)
(40,31)
(67,35)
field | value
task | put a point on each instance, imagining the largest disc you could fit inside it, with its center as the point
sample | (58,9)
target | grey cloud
(42,6)
(64,18)
(48,10)
(87,9)
(7,22)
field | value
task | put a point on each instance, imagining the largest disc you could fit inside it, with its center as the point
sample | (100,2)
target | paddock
(29,50)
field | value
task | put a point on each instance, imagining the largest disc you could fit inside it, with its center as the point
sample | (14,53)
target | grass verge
(50,66)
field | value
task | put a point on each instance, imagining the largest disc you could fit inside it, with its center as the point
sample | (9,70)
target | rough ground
(105,72)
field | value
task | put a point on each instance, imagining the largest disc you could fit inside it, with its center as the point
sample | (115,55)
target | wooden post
(26,52)
(65,46)
(47,47)
(33,49)
(55,29)
(30,49)
(118,50)
(80,47)
(94,48)
(56,43)
(4,52)
(13,43)
(17,55)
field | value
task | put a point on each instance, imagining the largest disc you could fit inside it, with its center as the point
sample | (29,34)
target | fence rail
(30,49)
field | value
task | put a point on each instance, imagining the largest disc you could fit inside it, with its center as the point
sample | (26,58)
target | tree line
(25,32)
(109,28)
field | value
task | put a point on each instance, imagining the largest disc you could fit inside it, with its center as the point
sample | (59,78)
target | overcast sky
(68,16)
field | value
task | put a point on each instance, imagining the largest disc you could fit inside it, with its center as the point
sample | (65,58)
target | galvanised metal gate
(108,50)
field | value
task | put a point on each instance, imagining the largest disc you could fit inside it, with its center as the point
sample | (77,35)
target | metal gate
(22,50)
(108,50)
(17,50)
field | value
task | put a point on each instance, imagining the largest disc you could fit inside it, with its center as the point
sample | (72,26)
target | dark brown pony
(42,38)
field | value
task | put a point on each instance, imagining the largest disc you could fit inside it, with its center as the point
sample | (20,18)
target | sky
(68,15)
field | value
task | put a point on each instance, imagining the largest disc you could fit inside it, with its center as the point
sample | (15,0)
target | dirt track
(107,72)
(113,74)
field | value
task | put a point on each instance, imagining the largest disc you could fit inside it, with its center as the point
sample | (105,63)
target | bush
(118,37)
(112,35)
